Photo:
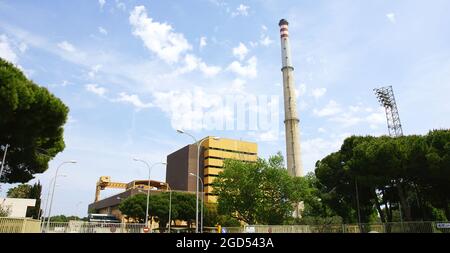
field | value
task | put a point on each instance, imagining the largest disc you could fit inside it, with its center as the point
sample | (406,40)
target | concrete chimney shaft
(293,155)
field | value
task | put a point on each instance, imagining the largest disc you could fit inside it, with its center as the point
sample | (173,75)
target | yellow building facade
(215,151)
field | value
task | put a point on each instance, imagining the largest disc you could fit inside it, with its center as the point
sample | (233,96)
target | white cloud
(191,63)
(133,100)
(240,51)
(23,47)
(102,30)
(351,115)
(253,44)
(121,5)
(266,41)
(209,71)
(193,109)
(6,52)
(270,135)
(376,119)
(301,90)
(332,108)
(66,46)
(391,17)
(346,119)
(159,38)
(248,71)
(71,120)
(65,83)
(241,10)
(318,92)
(94,88)
(102,3)
(203,42)
(317,148)
(237,86)
(94,70)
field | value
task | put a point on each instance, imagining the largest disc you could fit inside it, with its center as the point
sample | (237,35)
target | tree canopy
(408,174)
(31,123)
(257,193)
(27,191)
(183,207)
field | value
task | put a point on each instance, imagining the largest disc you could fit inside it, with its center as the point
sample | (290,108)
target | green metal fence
(19,225)
(394,227)
(25,225)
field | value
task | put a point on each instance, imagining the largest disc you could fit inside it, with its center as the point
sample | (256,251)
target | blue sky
(132,72)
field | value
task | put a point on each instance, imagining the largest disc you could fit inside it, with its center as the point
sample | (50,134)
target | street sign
(443,225)
(146,229)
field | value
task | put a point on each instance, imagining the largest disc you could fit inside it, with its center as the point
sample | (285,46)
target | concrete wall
(17,207)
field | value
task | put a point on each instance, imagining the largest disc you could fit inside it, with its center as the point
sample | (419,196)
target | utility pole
(3,161)
(357,205)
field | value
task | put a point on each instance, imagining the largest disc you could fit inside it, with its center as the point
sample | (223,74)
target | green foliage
(63,218)
(212,218)
(28,192)
(31,123)
(257,193)
(134,207)
(20,191)
(4,211)
(183,207)
(411,172)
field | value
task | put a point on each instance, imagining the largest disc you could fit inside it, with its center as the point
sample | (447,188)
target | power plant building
(213,152)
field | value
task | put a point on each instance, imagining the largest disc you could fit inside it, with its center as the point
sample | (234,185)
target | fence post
(24,222)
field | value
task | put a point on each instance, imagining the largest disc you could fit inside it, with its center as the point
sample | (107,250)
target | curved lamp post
(203,200)
(47,200)
(53,191)
(199,144)
(148,190)
(170,202)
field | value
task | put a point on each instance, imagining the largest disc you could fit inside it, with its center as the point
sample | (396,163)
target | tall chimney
(294,163)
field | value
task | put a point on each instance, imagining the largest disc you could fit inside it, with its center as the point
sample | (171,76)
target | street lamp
(203,199)
(148,190)
(170,203)
(3,160)
(53,191)
(198,168)
(41,215)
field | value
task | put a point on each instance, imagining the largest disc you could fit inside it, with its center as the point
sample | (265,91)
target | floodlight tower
(386,98)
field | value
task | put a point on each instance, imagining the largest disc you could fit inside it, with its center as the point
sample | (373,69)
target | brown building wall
(179,164)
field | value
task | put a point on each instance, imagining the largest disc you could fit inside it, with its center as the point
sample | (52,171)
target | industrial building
(213,152)
(110,205)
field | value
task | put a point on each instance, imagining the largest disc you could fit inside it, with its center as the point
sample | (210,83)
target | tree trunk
(387,208)
(162,227)
(447,209)
(406,209)
(378,206)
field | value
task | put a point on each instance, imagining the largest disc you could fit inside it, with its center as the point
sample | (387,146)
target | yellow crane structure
(105,182)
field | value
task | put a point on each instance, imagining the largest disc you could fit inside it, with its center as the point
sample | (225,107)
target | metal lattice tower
(386,98)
